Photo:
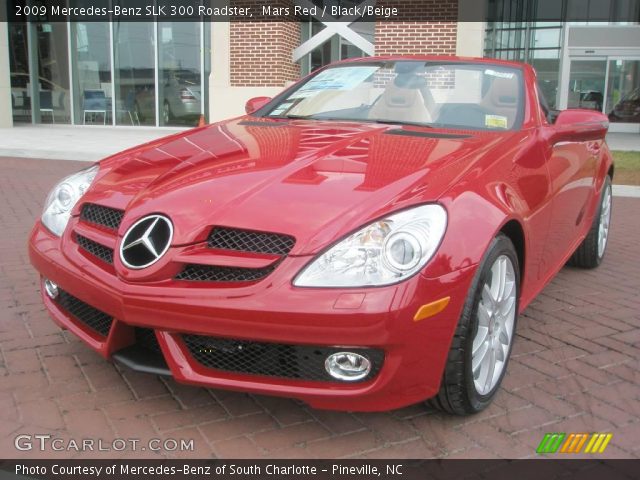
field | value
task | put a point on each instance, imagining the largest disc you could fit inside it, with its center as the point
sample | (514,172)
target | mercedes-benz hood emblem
(146,241)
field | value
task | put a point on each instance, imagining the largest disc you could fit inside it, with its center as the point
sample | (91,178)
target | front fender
(605,163)
(473,221)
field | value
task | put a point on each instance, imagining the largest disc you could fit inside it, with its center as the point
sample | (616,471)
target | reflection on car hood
(313,180)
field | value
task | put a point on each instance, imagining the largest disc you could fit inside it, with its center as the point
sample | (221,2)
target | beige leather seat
(502,98)
(401,104)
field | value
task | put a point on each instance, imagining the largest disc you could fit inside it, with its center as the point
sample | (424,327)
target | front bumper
(271,310)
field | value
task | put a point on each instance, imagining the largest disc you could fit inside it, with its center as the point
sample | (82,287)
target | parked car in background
(592,100)
(179,100)
(363,241)
(627,109)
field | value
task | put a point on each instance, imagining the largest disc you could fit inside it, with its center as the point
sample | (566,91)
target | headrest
(408,75)
(503,91)
(404,68)
(400,97)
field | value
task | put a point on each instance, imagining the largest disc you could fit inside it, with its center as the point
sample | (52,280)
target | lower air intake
(146,338)
(213,273)
(300,362)
(96,249)
(93,318)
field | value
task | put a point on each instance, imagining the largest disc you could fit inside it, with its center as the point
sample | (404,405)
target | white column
(470,39)
(220,75)
(226,101)
(6,113)
(470,35)
(565,63)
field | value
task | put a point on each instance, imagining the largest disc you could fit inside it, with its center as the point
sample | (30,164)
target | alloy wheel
(605,219)
(496,315)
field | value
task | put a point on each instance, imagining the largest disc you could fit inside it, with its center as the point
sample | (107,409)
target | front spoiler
(415,352)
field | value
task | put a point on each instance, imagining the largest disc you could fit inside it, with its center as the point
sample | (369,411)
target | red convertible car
(363,241)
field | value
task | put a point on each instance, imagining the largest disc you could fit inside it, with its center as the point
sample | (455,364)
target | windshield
(454,95)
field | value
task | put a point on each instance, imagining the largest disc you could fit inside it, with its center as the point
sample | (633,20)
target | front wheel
(591,251)
(483,339)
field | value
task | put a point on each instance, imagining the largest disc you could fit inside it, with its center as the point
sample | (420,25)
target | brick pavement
(574,368)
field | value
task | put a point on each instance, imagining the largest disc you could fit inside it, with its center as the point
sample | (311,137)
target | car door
(572,169)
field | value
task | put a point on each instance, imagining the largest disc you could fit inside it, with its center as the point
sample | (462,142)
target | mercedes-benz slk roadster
(363,241)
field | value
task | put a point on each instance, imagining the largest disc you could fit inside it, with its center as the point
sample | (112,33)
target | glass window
(335,48)
(179,73)
(349,50)
(134,74)
(207,66)
(623,91)
(449,95)
(320,56)
(50,62)
(92,72)
(19,68)
(53,73)
(586,84)
(547,65)
(538,40)
(545,38)
(365,30)
(489,41)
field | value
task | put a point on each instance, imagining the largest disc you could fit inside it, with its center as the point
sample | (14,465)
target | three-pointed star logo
(146,241)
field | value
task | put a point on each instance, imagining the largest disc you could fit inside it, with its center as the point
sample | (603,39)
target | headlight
(384,252)
(63,197)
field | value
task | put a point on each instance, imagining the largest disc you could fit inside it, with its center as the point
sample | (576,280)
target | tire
(591,252)
(459,391)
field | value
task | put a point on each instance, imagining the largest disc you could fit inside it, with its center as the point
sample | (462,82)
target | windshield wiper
(363,120)
(398,122)
(316,117)
(294,117)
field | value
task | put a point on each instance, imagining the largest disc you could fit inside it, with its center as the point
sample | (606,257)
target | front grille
(96,249)
(247,241)
(213,273)
(146,338)
(93,318)
(250,241)
(99,215)
(301,362)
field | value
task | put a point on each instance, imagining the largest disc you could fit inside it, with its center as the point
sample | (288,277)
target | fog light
(51,289)
(347,366)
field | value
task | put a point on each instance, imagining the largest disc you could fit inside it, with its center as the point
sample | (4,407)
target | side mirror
(579,125)
(256,103)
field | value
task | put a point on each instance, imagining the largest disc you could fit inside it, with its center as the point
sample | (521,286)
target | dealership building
(162,74)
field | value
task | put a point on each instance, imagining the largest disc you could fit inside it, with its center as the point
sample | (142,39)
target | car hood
(314,180)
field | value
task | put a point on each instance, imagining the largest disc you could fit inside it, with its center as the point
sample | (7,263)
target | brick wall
(435,36)
(261,53)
